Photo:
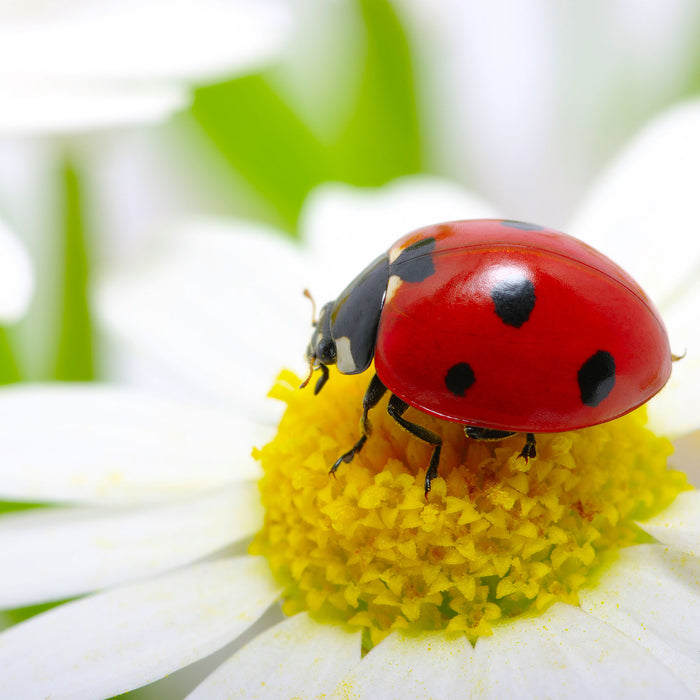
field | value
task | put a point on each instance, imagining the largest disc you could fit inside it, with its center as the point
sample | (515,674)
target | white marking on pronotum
(395,252)
(392,287)
(346,363)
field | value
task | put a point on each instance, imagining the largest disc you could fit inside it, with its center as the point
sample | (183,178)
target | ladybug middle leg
(396,409)
(372,397)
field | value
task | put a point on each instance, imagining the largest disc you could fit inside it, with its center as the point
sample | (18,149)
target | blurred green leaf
(9,370)
(262,137)
(14,617)
(382,140)
(74,360)
(13,506)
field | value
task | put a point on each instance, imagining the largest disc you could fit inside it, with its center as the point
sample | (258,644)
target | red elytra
(526,376)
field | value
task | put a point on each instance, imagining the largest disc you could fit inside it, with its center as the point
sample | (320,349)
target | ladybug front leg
(396,409)
(372,397)
(322,379)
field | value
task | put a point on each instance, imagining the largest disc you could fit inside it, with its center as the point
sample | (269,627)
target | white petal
(643,211)
(676,409)
(61,553)
(673,412)
(347,227)
(193,39)
(298,658)
(221,307)
(68,70)
(565,653)
(687,456)
(112,642)
(678,525)
(16,276)
(39,108)
(96,443)
(652,594)
(426,666)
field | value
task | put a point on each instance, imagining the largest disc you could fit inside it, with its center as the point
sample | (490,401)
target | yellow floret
(496,537)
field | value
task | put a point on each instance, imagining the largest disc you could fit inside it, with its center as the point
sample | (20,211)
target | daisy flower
(572,575)
(74,66)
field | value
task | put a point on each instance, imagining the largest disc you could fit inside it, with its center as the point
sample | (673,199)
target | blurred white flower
(75,65)
(16,277)
(150,486)
(71,73)
(527,100)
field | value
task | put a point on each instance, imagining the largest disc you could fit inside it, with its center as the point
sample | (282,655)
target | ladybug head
(321,350)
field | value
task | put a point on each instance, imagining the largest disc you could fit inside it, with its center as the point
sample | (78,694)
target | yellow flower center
(496,536)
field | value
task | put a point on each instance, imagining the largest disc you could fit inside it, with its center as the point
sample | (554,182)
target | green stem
(75,361)
(9,370)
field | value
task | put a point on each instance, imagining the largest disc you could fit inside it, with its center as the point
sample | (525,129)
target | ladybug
(502,326)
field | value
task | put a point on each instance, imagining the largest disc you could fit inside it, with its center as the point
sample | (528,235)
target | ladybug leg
(396,409)
(530,450)
(476,433)
(471,431)
(322,379)
(372,397)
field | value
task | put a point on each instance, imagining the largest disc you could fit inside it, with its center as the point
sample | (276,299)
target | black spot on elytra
(514,300)
(522,225)
(459,378)
(596,377)
(415,263)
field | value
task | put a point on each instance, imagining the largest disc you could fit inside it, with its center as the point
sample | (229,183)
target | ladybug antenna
(307,294)
(675,358)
